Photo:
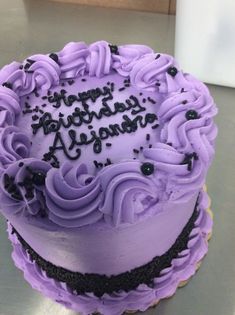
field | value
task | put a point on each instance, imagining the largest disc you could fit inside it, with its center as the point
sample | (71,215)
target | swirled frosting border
(179,162)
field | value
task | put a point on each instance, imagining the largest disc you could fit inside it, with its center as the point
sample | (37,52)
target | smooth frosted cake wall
(104,249)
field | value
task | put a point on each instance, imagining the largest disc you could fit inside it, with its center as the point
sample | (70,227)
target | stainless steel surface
(28,27)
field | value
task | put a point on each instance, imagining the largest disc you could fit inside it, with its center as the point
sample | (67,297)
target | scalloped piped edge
(177,275)
(197,265)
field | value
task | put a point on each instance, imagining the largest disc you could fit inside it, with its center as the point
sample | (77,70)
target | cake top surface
(101,133)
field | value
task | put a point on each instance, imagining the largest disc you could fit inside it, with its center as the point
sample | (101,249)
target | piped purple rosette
(73,196)
(180,161)
(22,188)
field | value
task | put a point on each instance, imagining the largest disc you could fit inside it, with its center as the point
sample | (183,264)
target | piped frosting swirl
(181,160)
(14,145)
(72,196)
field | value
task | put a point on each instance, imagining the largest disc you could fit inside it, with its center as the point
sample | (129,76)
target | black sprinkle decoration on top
(148,137)
(158,56)
(11,187)
(71,82)
(127,281)
(7,85)
(108,144)
(191,114)
(184,102)
(28,64)
(54,57)
(147,168)
(38,178)
(114,49)
(188,159)
(151,100)
(172,71)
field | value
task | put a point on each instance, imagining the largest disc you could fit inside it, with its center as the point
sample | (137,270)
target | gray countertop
(28,27)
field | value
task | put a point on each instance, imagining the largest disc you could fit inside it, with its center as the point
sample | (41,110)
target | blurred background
(201,34)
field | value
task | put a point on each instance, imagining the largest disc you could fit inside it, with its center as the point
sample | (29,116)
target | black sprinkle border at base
(127,281)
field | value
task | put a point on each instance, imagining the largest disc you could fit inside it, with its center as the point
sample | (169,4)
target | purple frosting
(9,106)
(181,269)
(73,196)
(196,135)
(73,60)
(74,204)
(114,193)
(127,57)
(23,205)
(99,59)
(127,193)
(14,145)
(180,183)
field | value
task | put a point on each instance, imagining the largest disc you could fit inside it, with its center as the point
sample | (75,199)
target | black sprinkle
(147,168)
(155,126)
(157,84)
(35,117)
(38,178)
(27,105)
(172,71)
(54,57)
(148,137)
(158,56)
(108,144)
(90,127)
(36,92)
(112,87)
(44,97)
(27,111)
(114,49)
(136,151)
(151,100)
(191,114)
(185,102)
(141,148)
(140,93)
(62,84)
(150,146)
(144,100)
(21,164)
(121,89)
(83,80)
(44,105)
(71,82)
(7,85)
(61,115)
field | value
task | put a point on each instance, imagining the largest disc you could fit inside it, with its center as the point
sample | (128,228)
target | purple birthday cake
(104,152)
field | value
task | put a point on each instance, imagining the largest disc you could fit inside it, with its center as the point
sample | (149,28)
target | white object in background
(205,39)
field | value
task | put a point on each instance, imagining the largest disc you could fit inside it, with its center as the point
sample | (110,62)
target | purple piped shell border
(181,159)
(182,268)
